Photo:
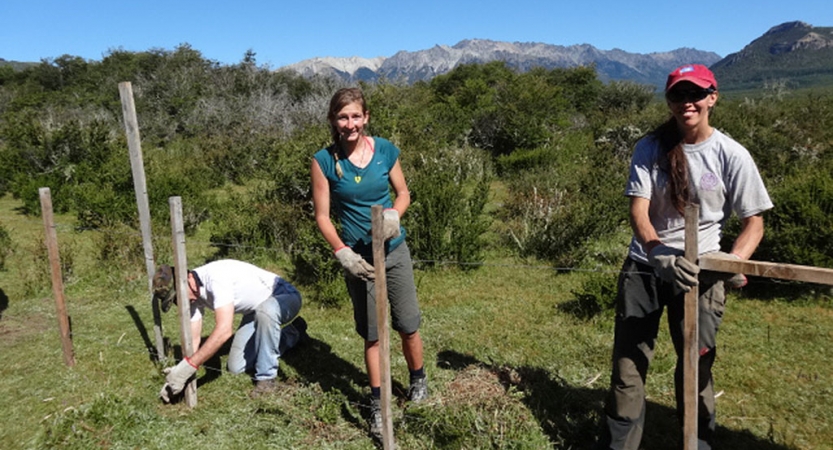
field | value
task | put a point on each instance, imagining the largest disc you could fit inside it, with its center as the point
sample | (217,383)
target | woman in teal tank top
(351,175)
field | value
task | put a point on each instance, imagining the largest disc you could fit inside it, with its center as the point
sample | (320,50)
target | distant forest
(529,164)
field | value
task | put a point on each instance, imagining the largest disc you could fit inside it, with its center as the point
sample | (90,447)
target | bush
(799,229)
(6,247)
(555,211)
(446,220)
(597,294)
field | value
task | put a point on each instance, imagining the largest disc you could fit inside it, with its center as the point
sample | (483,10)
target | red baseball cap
(694,73)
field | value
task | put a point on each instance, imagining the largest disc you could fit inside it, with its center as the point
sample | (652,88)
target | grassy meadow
(510,364)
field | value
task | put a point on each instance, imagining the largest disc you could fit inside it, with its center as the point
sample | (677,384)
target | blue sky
(285,32)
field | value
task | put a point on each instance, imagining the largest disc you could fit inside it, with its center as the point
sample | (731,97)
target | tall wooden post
(134,144)
(691,335)
(183,304)
(51,241)
(381,286)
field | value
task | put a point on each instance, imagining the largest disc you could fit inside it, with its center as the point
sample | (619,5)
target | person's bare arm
(321,206)
(400,188)
(643,230)
(223,330)
(751,233)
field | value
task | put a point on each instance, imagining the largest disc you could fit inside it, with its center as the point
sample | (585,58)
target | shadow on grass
(315,362)
(570,415)
(4,302)
(140,327)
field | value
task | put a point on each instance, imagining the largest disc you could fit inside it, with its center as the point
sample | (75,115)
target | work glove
(390,224)
(734,281)
(175,379)
(354,265)
(672,267)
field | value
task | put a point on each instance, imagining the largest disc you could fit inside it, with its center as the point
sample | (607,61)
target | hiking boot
(418,390)
(375,419)
(263,387)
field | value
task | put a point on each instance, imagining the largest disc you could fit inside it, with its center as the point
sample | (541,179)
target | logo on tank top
(709,181)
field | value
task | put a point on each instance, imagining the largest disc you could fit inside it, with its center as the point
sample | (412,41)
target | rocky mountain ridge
(423,65)
(794,51)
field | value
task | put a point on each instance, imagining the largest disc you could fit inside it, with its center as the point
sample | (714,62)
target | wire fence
(359,406)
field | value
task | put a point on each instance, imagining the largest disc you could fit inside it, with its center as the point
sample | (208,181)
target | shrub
(555,211)
(446,219)
(597,294)
(6,246)
(799,229)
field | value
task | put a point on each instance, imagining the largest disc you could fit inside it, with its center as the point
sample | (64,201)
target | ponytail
(671,144)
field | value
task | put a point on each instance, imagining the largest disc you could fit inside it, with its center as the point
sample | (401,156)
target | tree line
(499,162)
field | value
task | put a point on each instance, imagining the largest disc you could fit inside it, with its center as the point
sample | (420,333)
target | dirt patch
(475,385)
(14,329)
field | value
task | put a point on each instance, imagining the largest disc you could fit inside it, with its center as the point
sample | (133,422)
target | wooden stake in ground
(382,323)
(691,335)
(134,144)
(51,241)
(183,304)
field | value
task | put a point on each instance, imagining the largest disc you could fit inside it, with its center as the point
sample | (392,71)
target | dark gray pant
(639,305)
(402,297)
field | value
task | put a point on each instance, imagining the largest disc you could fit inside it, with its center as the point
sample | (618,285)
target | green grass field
(509,365)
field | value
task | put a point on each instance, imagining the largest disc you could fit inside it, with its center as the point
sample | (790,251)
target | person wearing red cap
(684,160)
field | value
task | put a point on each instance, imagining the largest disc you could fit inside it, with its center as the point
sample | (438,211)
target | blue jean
(266,333)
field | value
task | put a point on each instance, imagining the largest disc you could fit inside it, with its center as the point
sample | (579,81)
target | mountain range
(794,52)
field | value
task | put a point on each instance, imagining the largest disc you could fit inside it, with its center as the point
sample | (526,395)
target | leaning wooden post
(183,303)
(691,335)
(134,144)
(382,323)
(51,241)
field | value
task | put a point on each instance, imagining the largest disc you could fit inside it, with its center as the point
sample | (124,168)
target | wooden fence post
(715,263)
(134,144)
(381,286)
(183,304)
(691,335)
(51,241)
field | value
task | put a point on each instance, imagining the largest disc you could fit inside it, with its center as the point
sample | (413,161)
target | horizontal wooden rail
(781,271)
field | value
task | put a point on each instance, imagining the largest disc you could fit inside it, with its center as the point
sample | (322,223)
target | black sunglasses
(687,95)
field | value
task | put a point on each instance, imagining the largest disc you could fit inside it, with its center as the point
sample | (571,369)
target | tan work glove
(176,378)
(390,224)
(354,265)
(672,267)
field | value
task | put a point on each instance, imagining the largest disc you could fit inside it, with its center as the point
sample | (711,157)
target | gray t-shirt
(721,173)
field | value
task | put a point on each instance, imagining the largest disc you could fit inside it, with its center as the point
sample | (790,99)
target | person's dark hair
(342,98)
(671,145)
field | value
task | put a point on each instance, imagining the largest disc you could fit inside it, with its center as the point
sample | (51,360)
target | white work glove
(390,224)
(176,378)
(354,264)
(672,267)
(734,281)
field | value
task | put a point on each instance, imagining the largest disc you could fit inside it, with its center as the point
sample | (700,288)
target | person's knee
(412,336)
(236,367)
(408,326)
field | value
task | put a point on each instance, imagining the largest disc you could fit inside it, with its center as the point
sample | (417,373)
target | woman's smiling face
(350,122)
(690,105)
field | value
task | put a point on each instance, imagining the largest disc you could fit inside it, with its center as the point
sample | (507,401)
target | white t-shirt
(723,177)
(230,281)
